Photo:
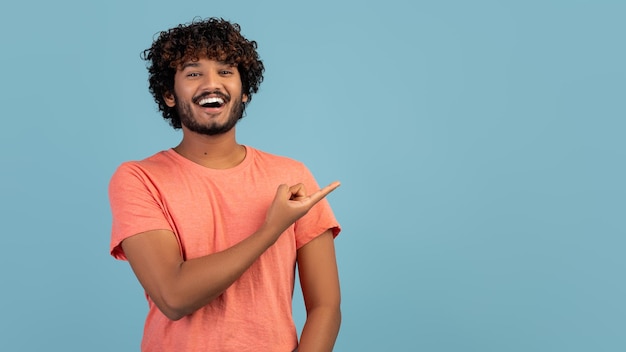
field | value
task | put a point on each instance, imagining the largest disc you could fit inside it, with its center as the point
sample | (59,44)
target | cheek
(183,89)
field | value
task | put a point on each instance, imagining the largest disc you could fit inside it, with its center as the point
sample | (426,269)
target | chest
(212,214)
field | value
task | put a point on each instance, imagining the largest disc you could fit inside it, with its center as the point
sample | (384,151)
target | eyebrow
(189,64)
(197,64)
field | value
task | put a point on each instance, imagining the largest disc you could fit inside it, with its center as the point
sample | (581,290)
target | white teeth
(211,100)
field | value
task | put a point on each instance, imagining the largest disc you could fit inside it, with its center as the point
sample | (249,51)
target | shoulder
(284,168)
(276,160)
(150,168)
(159,162)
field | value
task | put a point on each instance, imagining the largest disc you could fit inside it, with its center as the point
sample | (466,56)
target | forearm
(196,282)
(320,330)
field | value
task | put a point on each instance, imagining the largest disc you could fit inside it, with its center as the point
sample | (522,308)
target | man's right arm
(180,287)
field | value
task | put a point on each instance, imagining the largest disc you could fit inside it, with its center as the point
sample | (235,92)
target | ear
(244,98)
(169,98)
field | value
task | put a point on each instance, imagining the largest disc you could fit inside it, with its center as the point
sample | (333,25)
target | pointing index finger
(319,195)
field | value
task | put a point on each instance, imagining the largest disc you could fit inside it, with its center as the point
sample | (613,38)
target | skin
(180,287)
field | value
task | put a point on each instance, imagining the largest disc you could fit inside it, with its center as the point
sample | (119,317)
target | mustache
(217,93)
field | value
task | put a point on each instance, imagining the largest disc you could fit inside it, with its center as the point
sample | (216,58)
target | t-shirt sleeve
(136,206)
(319,219)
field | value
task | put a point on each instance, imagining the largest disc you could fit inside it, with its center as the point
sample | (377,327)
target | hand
(291,203)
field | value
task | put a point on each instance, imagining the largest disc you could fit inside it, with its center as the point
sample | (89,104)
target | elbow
(330,306)
(337,316)
(331,311)
(172,307)
(173,315)
(334,315)
(175,305)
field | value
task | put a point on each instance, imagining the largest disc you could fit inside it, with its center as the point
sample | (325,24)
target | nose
(211,81)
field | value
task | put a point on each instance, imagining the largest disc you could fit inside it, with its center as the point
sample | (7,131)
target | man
(213,229)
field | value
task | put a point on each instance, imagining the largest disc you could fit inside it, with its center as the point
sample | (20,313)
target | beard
(211,128)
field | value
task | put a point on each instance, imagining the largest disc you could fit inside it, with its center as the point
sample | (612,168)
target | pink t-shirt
(211,210)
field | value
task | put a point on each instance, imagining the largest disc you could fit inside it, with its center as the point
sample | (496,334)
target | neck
(215,152)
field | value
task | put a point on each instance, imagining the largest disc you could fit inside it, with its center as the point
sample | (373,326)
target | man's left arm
(319,280)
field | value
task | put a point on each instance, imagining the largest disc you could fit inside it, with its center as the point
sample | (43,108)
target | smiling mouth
(212,102)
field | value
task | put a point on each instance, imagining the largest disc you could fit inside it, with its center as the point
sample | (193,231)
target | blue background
(480,146)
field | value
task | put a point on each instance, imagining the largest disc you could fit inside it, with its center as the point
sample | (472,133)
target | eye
(226,72)
(193,74)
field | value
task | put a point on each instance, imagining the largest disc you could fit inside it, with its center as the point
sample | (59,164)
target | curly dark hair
(214,38)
